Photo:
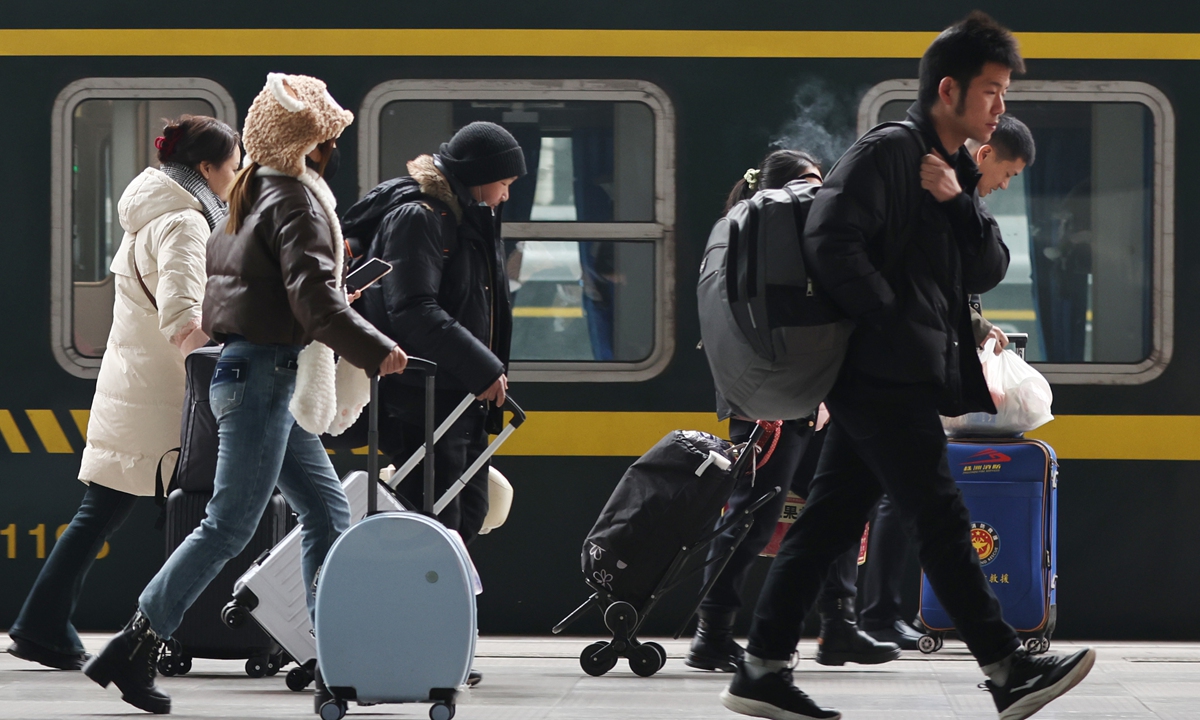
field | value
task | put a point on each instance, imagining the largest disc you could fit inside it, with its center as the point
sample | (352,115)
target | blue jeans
(259,446)
(45,617)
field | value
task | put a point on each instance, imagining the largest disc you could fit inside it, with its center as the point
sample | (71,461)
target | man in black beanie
(447,297)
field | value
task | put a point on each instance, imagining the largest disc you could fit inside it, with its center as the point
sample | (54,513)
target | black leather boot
(841,641)
(713,647)
(129,661)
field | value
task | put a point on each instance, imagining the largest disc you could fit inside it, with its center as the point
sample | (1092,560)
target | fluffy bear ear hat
(291,116)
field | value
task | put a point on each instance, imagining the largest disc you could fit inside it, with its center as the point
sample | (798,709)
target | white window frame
(661,232)
(1162,292)
(62,340)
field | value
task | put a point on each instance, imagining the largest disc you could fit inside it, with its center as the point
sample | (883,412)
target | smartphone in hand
(367,275)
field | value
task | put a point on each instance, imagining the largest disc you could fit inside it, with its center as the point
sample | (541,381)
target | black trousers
(791,465)
(883,575)
(879,443)
(403,432)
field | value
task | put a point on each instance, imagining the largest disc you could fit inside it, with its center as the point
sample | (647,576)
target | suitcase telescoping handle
(419,366)
(452,492)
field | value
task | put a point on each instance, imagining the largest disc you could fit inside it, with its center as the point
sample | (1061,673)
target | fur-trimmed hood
(434,182)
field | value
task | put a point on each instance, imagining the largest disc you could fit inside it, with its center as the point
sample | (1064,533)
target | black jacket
(272,281)
(902,264)
(447,297)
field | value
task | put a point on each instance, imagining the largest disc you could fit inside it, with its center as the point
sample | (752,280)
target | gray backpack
(774,341)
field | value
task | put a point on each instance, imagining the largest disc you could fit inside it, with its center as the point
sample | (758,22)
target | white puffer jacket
(139,395)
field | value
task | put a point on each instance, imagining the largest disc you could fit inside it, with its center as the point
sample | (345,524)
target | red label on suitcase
(791,511)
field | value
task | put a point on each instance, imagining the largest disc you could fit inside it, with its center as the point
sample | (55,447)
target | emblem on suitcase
(986,541)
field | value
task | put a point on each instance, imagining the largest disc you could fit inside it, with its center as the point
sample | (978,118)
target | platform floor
(534,678)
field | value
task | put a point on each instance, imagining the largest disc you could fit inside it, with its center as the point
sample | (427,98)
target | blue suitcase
(1010,487)
(395,608)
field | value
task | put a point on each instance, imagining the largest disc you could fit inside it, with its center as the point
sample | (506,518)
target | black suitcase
(659,517)
(202,633)
(197,464)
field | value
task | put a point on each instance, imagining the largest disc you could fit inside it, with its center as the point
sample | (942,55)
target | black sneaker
(1035,681)
(774,696)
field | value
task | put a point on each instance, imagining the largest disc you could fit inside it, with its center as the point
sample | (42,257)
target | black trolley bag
(202,632)
(658,519)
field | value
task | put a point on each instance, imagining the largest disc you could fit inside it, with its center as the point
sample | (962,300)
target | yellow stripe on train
(629,434)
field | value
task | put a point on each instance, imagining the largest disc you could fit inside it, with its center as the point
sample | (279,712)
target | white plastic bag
(1022,397)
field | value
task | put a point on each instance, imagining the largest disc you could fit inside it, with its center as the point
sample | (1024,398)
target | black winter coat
(446,298)
(902,264)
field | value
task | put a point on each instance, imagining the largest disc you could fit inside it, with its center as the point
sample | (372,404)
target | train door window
(1089,227)
(103,135)
(588,231)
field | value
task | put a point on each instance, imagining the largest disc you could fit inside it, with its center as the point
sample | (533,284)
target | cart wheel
(1032,644)
(662,654)
(333,710)
(298,678)
(256,667)
(597,659)
(621,618)
(644,661)
(1043,645)
(233,614)
(274,663)
(941,643)
(166,666)
(183,664)
(440,711)
(928,644)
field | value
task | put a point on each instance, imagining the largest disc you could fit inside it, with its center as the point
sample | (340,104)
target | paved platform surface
(535,678)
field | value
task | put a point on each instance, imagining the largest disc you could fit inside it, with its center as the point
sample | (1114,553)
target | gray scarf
(214,208)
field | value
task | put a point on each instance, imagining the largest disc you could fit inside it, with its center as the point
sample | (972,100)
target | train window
(1089,227)
(103,134)
(588,231)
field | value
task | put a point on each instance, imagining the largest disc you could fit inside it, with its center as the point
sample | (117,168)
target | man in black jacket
(898,238)
(447,296)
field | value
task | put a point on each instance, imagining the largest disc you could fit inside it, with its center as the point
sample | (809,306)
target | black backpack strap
(160,490)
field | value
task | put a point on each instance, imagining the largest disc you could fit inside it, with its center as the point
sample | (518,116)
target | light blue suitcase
(395,607)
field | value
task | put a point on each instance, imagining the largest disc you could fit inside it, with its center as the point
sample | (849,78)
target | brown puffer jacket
(273,281)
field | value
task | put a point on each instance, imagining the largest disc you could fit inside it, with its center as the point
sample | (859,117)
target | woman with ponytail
(274,298)
(792,463)
(168,214)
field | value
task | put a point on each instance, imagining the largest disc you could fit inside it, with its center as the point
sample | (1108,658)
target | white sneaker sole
(1033,702)
(758,708)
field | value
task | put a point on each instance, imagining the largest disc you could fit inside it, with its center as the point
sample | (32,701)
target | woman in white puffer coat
(159,271)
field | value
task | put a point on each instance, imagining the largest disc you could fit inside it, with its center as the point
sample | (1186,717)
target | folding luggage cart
(625,613)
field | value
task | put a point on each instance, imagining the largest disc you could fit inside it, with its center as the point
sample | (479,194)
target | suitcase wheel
(275,662)
(598,658)
(646,659)
(440,711)
(930,644)
(234,614)
(1037,645)
(256,667)
(333,710)
(299,678)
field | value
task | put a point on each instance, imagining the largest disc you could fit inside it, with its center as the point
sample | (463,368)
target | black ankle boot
(841,641)
(128,661)
(713,647)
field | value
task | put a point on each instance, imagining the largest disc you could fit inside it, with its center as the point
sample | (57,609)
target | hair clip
(751,177)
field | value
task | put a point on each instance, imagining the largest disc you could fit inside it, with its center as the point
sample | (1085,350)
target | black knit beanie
(483,153)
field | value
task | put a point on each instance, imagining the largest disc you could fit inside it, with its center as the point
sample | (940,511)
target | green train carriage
(638,119)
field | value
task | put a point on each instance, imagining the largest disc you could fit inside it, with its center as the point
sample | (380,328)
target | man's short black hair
(962,50)
(1012,140)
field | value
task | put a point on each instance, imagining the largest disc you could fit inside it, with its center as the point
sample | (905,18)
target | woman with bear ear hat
(274,298)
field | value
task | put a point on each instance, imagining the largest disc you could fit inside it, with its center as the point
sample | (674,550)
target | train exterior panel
(642,117)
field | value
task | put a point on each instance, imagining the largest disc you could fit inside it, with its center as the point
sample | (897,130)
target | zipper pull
(809,292)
